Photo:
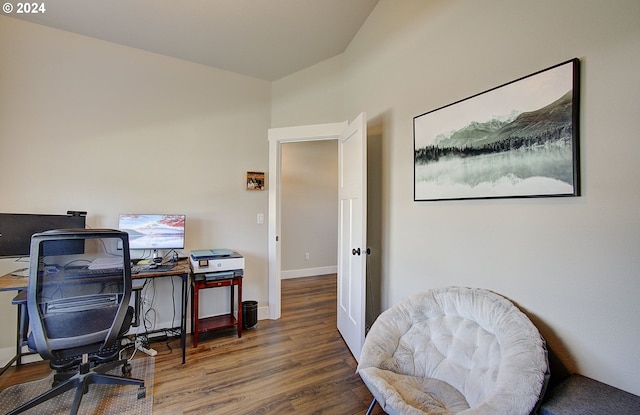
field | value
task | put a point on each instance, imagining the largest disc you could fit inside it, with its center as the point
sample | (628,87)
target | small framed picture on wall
(255,180)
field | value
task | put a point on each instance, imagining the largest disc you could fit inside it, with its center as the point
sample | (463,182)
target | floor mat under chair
(100,400)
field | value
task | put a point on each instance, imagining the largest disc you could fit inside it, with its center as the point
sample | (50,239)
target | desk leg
(8,365)
(137,300)
(23,325)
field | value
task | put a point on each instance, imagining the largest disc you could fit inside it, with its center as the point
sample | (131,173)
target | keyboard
(82,303)
(159,268)
(136,269)
(86,272)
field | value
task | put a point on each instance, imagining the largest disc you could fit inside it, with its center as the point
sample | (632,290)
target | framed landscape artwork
(516,140)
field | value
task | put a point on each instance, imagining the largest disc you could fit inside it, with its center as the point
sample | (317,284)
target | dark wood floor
(298,364)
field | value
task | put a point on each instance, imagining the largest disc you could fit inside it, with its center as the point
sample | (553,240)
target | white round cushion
(474,341)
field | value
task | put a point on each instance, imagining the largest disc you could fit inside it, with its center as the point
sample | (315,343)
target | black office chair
(78,305)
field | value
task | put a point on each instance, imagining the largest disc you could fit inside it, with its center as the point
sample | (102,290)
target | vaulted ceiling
(265,39)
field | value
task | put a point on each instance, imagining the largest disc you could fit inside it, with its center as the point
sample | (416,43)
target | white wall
(571,263)
(91,125)
(309,208)
(298,102)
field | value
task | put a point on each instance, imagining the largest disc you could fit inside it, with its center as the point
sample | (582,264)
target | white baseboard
(308,272)
(263,313)
(7,353)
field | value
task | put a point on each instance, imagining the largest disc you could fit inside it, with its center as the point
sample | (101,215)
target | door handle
(355,251)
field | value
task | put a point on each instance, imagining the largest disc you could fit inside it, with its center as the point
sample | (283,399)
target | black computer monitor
(16,230)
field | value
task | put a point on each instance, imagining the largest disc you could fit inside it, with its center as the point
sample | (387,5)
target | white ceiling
(265,39)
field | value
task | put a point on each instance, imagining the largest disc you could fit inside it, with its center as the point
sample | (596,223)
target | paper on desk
(22,272)
(106,262)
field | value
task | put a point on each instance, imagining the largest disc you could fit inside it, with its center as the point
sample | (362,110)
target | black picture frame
(520,139)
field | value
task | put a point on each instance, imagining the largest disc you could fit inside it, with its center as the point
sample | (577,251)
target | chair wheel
(126,369)
(142,392)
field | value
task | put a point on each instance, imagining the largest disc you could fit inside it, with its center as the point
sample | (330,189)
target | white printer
(205,261)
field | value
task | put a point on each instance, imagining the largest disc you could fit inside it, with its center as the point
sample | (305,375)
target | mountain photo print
(516,140)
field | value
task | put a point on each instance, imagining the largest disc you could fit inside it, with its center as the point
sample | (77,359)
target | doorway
(277,138)
(309,200)
(352,222)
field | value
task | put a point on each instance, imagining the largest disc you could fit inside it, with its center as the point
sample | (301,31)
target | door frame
(277,137)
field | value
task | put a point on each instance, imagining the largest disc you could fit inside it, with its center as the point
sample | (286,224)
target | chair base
(81,380)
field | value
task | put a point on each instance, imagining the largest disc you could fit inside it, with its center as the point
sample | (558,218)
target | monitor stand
(157,258)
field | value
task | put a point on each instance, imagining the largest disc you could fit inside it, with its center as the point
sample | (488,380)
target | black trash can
(249,314)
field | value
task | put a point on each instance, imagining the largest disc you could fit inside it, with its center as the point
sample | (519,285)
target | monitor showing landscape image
(153,231)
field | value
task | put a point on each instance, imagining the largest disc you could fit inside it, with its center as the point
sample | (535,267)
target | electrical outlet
(307,256)
(260,218)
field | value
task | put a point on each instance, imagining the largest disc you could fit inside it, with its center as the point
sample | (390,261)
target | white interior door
(352,234)
(352,150)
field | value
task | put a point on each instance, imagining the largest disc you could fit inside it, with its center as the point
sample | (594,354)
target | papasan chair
(454,350)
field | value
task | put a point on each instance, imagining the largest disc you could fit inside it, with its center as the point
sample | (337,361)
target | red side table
(202,325)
